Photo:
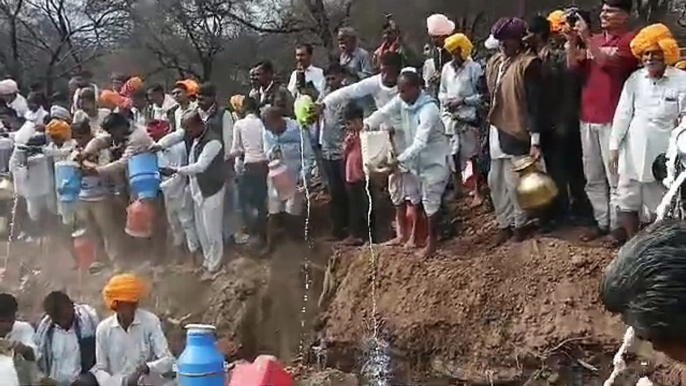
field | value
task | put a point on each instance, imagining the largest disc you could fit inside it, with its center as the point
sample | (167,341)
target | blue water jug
(67,180)
(144,175)
(201,363)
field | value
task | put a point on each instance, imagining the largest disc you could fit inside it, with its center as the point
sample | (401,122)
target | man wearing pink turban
(439,28)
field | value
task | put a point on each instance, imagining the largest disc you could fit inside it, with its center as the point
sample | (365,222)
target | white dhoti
(601,184)
(292,206)
(39,204)
(209,214)
(635,196)
(181,223)
(427,188)
(502,180)
(404,186)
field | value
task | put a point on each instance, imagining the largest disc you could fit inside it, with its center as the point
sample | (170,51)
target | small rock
(553,379)
(578,260)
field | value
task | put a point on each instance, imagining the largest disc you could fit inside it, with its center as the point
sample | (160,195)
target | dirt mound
(473,312)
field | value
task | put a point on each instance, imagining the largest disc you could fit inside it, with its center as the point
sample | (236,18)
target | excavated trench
(519,314)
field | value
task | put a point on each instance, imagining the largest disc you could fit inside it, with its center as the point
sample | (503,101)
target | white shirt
(372,86)
(647,113)
(160,112)
(428,70)
(248,139)
(178,113)
(460,84)
(312,74)
(19,105)
(23,333)
(66,352)
(175,157)
(194,167)
(227,129)
(37,117)
(119,352)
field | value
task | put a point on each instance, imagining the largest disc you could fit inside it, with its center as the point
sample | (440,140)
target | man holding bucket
(206,173)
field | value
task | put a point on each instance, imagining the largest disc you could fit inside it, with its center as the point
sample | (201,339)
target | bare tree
(9,14)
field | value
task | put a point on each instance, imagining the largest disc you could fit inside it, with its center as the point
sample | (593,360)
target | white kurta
(421,143)
(208,211)
(647,113)
(177,198)
(312,74)
(372,86)
(119,352)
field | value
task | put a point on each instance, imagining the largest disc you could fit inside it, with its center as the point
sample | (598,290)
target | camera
(572,16)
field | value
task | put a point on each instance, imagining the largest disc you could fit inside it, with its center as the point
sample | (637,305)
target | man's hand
(435,78)
(535,152)
(614,161)
(318,109)
(455,103)
(582,29)
(143,369)
(89,167)
(167,172)
(23,350)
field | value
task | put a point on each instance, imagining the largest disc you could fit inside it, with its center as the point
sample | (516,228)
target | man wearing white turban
(9,93)
(439,28)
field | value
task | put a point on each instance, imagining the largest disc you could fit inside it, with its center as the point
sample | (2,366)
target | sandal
(593,233)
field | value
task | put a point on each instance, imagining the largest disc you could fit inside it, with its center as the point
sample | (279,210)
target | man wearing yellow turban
(651,102)
(460,99)
(131,343)
(59,149)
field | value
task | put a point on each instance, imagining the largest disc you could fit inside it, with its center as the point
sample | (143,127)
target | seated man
(130,345)
(20,337)
(645,284)
(65,339)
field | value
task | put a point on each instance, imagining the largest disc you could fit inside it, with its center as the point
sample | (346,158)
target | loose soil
(518,314)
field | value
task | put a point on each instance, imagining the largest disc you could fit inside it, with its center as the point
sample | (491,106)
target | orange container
(84,249)
(265,371)
(139,218)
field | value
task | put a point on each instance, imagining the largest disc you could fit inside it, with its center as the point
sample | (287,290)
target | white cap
(492,43)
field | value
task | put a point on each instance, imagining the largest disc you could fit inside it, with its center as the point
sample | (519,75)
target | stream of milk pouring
(10,237)
(378,364)
(306,267)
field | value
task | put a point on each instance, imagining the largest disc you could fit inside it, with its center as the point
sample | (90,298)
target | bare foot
(477,202)
(411,242)
(399,240)
(593,233)
(427,251)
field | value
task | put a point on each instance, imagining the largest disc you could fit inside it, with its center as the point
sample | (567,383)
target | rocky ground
(518,314)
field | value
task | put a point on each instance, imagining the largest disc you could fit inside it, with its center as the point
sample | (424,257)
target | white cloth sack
(377,150)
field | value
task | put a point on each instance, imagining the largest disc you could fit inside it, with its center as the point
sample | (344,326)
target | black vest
(214,177)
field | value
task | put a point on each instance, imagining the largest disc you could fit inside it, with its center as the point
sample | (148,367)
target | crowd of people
(594,110)
(579,103)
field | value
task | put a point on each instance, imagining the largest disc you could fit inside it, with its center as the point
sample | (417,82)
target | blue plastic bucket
(67,180)
(144,175)
(201,363)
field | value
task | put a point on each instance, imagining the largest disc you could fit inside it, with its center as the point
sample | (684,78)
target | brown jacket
(515,100)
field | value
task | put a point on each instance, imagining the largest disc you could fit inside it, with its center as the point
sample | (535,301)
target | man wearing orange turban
(58,130)
(131,343)
(110,99)
(651,102)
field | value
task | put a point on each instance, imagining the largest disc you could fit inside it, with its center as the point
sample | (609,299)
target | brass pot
(535,189)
